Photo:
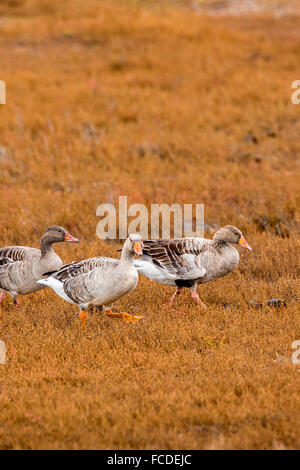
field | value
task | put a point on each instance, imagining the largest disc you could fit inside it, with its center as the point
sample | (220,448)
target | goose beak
(69,238)
(244,244)
(137,248)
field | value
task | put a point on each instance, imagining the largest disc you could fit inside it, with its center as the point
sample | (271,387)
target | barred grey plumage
(22,266)
(99,280)
(187,262)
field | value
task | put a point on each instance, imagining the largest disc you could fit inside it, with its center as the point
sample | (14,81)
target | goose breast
(218,263)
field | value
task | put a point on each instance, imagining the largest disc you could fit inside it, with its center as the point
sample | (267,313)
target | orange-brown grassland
(163,102)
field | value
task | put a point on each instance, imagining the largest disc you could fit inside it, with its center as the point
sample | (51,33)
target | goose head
(56,234)
(231,234)
(133,245)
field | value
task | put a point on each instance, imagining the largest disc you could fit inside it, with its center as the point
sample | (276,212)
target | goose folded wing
(179,257)
(76,278)
(77,268)
(17,253)
(4,262)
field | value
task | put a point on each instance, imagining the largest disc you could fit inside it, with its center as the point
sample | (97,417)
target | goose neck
(127,256)
(219,244)
(46,247)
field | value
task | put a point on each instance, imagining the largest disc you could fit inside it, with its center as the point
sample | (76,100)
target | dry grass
(163,105)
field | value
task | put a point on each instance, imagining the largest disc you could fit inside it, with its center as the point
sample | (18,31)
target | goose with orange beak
(188,262)
(99,281)
(22,266)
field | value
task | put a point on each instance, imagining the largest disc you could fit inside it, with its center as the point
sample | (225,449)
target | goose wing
(178,258)
(76,281)
(13,269)
(77,268)
(16,253)
(5,262)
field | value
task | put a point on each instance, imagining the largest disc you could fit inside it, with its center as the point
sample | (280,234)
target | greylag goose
(98,281)
(187,262)
(21,266)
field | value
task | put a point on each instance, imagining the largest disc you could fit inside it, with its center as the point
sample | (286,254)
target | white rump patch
(57,286)
(154,273)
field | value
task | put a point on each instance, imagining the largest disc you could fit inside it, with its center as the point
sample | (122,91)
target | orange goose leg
(2,295)
(123,315)
(83,319)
